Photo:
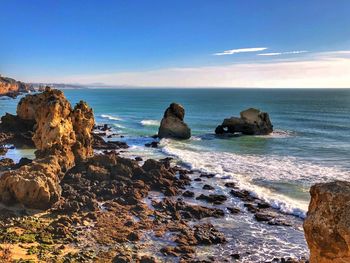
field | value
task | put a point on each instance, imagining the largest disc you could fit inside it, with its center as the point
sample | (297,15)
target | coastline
(180,200)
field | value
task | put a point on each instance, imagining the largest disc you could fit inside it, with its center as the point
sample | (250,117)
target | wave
(150,122)
(119,126)
(249,170)
(109,117)
(279,134)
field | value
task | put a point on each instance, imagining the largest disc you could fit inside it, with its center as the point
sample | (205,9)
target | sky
(182,43)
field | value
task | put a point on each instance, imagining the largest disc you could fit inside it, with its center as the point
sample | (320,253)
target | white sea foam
(119,126)
(150,122)
(279,134)
(248,169)
(109,117)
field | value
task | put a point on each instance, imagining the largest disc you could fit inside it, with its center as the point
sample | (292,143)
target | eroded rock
(173,125)
(327,226)
(61,136)
(251,122)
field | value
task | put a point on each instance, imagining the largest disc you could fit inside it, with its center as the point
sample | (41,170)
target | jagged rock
(172,124)
(180,209)
(251,122)
(100,144)
(327,226)
(62,137)
(203,234)
(83,123)
(212,198)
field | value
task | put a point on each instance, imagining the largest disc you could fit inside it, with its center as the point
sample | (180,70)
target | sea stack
(251,122)
(62,137)
(327,226)
(173,125)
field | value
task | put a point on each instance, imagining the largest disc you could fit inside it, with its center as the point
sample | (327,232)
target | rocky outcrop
(62,136)
(10,87)
(173,125)
(251,122)
(327,226)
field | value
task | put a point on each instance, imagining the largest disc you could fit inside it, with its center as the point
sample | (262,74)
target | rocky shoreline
(12,88)
(97,206)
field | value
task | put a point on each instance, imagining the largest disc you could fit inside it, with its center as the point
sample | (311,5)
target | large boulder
(327,225)
(251,122)
(172,124)
(62,136)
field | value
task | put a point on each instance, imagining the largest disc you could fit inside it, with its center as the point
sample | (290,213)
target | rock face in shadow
(251,122)
(62,136)
(172,124)
(327,226)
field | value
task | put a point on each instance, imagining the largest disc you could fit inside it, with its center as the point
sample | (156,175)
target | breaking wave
(109,117)
(259,174)
(150,122)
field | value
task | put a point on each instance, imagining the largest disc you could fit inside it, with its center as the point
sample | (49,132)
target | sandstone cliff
(61,136)
(327,226)
(11,87)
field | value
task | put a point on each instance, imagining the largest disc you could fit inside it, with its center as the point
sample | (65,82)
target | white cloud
(240,50)
(321,70)
(283,53)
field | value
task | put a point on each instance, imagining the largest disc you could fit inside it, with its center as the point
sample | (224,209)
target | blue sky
(119,42)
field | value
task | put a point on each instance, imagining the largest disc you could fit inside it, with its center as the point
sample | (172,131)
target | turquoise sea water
(311,142)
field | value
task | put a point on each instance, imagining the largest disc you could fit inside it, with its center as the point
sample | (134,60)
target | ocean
(310,144)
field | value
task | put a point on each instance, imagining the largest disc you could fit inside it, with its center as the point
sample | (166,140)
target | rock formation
(172,124)
(11,87)
(327,226)
(61,136)
(251,122)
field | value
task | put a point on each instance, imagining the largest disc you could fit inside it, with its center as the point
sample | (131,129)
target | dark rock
(152,144)
(208,187)
(134,236)
(180,209)
(243,195)
(213,198)
(23,161)
(251,122)
(263,205)
(204,234)
(188,194)
(6,164)
(235,256)
(148,259)
(172,124)
(263,217)
(100,144)
(230,185)
(233,210)
(207,175)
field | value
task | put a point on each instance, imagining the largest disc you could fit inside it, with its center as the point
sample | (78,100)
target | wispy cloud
(283,53)
(240,50)
(321,70)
